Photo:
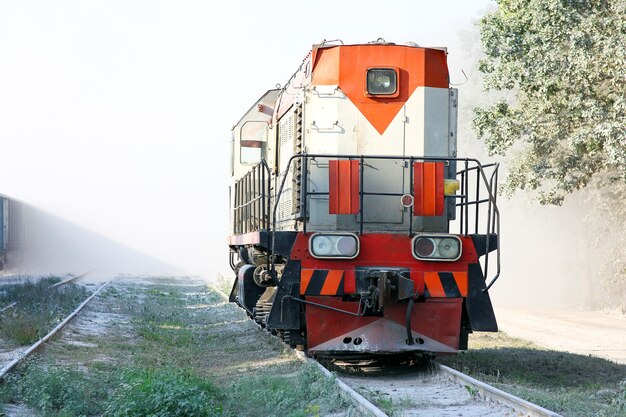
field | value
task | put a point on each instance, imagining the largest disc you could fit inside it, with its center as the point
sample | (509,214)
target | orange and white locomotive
(356,229)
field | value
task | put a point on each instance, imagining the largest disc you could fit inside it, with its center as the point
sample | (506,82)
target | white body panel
(323,120)
(333,125)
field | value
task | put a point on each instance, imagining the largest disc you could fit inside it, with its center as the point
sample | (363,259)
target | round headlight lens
(449,248)
(346,246)
(322,245)
(425,247)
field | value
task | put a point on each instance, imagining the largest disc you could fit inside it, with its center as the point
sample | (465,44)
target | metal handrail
(361,158)
(463,201)
(259,177)
(496,216)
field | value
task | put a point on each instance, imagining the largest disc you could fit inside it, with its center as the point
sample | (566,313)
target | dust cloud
(47,244)
(551,256)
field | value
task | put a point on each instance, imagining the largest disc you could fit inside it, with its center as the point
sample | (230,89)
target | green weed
(382,399)
(386,404)
(39,308)
(56,391)
(295,395)
(224,284)
(66,392)
(164,393)
(472,391)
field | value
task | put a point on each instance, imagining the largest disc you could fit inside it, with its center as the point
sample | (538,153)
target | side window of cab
(253,142)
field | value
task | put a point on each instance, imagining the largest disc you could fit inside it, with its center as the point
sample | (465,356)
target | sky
(116,115)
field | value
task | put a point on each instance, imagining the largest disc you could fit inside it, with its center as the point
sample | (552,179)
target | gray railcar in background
(12,232)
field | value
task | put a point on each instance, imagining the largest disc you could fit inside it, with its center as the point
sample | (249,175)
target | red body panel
(428,189)
(386,250)
(343,187)
(435,321)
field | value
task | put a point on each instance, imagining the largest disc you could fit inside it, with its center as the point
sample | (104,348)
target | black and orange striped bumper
(321,282)
(435,284)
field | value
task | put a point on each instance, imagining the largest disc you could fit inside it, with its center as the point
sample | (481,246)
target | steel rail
(5,308)
(8,367)
(357,399)
(519,405)
(487,391)
(67,281)
(58,284)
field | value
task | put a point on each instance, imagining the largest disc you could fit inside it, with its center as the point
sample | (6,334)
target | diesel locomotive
(356,229)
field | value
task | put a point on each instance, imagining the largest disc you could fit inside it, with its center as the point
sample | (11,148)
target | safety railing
(476,208)
(251,200)
(469,204)
(471,201)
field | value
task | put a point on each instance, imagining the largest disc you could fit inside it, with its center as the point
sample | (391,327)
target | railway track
(23,354)
(58,284)
(71,279)
(420,390)
(415,391)
(402,390)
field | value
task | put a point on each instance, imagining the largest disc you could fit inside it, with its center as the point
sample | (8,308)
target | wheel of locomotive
(261,277)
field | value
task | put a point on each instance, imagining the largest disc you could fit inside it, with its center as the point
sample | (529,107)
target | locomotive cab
(355,226)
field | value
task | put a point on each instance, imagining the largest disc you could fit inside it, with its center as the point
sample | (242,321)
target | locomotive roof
(267,99)
(379,42)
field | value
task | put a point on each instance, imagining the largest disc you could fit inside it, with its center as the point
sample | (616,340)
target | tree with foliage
(563,121)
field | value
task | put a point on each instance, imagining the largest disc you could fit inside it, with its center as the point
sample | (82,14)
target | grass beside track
(569,384)
(38,309)
(169,348)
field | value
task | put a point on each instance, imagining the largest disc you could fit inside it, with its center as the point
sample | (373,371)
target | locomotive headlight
(344,245)
(436,247)
(382,81)
(424,247)
(449,248)
(347,246)
(321,245)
